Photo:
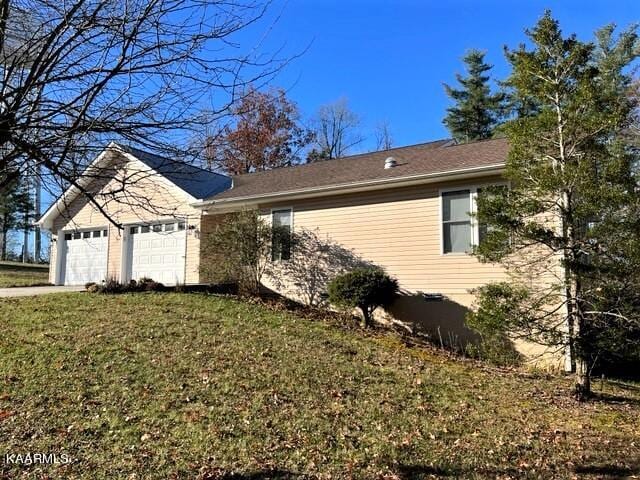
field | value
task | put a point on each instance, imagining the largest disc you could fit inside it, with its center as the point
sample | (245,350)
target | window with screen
(281,235)
(456,221)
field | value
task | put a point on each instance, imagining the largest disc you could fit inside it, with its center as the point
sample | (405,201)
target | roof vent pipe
(390,162)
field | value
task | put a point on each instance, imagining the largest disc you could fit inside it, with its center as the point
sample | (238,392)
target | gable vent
(390,162)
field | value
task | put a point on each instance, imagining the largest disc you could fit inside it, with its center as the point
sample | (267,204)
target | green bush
(500,312)
(363,288)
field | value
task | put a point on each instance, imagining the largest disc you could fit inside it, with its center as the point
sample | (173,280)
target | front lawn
(14,274)
(194,386)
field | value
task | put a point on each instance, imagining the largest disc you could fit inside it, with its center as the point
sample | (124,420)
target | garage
(84,257)
(157,251)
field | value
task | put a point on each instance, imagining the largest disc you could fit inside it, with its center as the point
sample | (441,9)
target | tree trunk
(366,317)
(4,233)
(3,240)
(582,380)
(37,251)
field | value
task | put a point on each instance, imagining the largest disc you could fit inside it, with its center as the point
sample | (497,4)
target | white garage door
(85,257)
(157,251)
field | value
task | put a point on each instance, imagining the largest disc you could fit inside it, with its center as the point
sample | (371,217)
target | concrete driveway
(30,291)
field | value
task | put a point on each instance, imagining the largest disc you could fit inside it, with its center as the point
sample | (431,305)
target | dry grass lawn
(193,386)
(14,274)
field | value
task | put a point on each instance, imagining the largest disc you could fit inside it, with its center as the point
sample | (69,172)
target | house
(152,199)
(406,209)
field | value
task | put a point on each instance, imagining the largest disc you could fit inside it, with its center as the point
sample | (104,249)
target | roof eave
(235,203)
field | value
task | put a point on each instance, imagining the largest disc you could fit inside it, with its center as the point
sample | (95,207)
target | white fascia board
(231,204)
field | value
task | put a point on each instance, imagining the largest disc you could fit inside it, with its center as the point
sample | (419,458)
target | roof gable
(196,182)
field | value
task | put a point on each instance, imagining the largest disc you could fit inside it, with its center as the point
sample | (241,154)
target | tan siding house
(408,210)
(399,230)
(152,200)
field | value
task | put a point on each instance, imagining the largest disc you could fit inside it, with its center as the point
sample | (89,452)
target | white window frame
(473,210)
(271,211)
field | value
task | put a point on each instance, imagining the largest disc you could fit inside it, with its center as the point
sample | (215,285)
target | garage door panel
(157,253)
(85,257)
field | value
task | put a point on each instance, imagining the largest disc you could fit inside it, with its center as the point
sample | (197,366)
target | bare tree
(336,128)
(316,260)
(78,74)
(384,139)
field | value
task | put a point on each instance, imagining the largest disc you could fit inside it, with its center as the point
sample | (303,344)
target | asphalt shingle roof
(440,156)
(196,181)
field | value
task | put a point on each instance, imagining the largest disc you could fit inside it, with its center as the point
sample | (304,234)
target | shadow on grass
(419,472)
(614,399)
(623,385)
(603,470)
(272,474)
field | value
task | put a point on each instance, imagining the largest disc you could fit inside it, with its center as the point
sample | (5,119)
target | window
(86,234)
(104,233)
(133,230)
(460,229)
(169,227)
(67,236)
(157,228)
(76,235)
(181,225)
(144,229)
(281,235)
(96,234)
(456,221)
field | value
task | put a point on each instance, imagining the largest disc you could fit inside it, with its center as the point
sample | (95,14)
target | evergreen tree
(568,229)
(15,208)
(476,111)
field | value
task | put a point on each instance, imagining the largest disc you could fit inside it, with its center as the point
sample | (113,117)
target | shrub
(316,261)
(151,286)
(363,288)
(501,312)
(88,285)
(237,250)
(112,286)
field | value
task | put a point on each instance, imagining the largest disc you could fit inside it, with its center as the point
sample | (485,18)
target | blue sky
(390,58)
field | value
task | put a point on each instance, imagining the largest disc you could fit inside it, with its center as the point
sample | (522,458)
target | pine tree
(15,206)
(477,111)
(572,214)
